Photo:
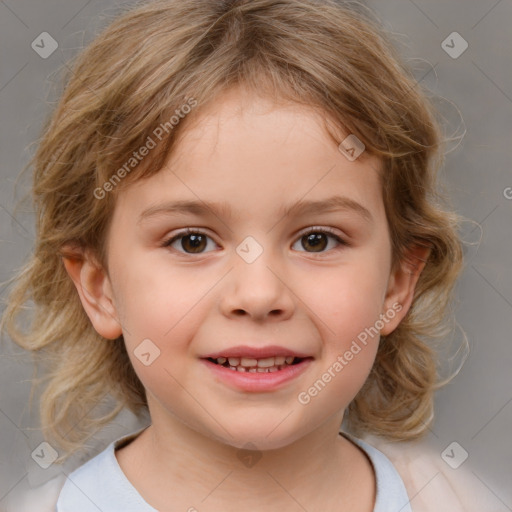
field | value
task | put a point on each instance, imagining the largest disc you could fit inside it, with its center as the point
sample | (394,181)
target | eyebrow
(222,209)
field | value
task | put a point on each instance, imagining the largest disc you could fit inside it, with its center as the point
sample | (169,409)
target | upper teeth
(249,362)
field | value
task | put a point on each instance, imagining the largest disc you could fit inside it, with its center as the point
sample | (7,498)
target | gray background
(474,95)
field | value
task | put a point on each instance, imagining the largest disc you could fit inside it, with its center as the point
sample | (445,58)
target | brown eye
(320,241)
(317,241)
(189,242)
(193,243)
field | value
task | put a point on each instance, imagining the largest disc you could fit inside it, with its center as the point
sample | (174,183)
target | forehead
(256,154)
(241,117)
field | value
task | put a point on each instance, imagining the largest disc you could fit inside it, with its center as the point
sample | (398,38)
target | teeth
(246,361)
(266,363)
(249,364)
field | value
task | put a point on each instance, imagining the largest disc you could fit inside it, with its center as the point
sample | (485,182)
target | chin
(258,436)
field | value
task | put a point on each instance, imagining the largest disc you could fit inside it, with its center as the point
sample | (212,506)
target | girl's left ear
(401,286)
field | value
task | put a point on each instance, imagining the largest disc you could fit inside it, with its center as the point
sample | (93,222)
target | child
(284,141)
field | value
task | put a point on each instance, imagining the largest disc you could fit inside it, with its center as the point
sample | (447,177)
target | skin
(258,157)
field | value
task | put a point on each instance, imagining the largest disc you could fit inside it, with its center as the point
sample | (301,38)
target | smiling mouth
(263,365)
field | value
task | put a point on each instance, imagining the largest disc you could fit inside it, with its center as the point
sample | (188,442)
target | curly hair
(329,55)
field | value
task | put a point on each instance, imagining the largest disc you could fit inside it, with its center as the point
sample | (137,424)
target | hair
(140,71)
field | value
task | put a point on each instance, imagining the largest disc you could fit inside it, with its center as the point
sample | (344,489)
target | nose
(259,290)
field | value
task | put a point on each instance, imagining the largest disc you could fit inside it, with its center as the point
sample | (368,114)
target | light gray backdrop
(474,94)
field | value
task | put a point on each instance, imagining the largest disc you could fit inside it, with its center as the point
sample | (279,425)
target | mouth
(254,365)
(257,369)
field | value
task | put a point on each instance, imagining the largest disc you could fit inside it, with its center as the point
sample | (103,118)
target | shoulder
(433,485)
(95,476)
(63,488)
(100,484)
(43,498)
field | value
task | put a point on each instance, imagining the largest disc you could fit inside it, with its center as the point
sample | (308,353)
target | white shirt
(100,484)
(431,485)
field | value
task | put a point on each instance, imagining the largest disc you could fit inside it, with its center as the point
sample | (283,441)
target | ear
(95,291)
(401,286)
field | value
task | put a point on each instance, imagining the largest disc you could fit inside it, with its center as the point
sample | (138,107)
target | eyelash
(192,231)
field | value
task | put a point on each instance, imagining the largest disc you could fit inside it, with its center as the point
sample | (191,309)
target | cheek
(162,309)
(347,301)
(347,304)
(155,299)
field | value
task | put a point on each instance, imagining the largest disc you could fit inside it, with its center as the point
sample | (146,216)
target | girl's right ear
(95,290)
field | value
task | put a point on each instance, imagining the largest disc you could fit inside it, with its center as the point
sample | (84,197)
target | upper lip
(256,352)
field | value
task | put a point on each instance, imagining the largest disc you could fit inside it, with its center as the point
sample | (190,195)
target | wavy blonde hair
(328,55)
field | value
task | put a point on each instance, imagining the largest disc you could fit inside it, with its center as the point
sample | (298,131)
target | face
(258,240)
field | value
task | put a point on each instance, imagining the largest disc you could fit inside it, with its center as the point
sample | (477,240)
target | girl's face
(288,254)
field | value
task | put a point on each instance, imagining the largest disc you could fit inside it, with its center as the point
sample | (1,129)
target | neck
(171,463)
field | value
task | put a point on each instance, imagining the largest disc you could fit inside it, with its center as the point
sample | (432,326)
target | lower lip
(258,381)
